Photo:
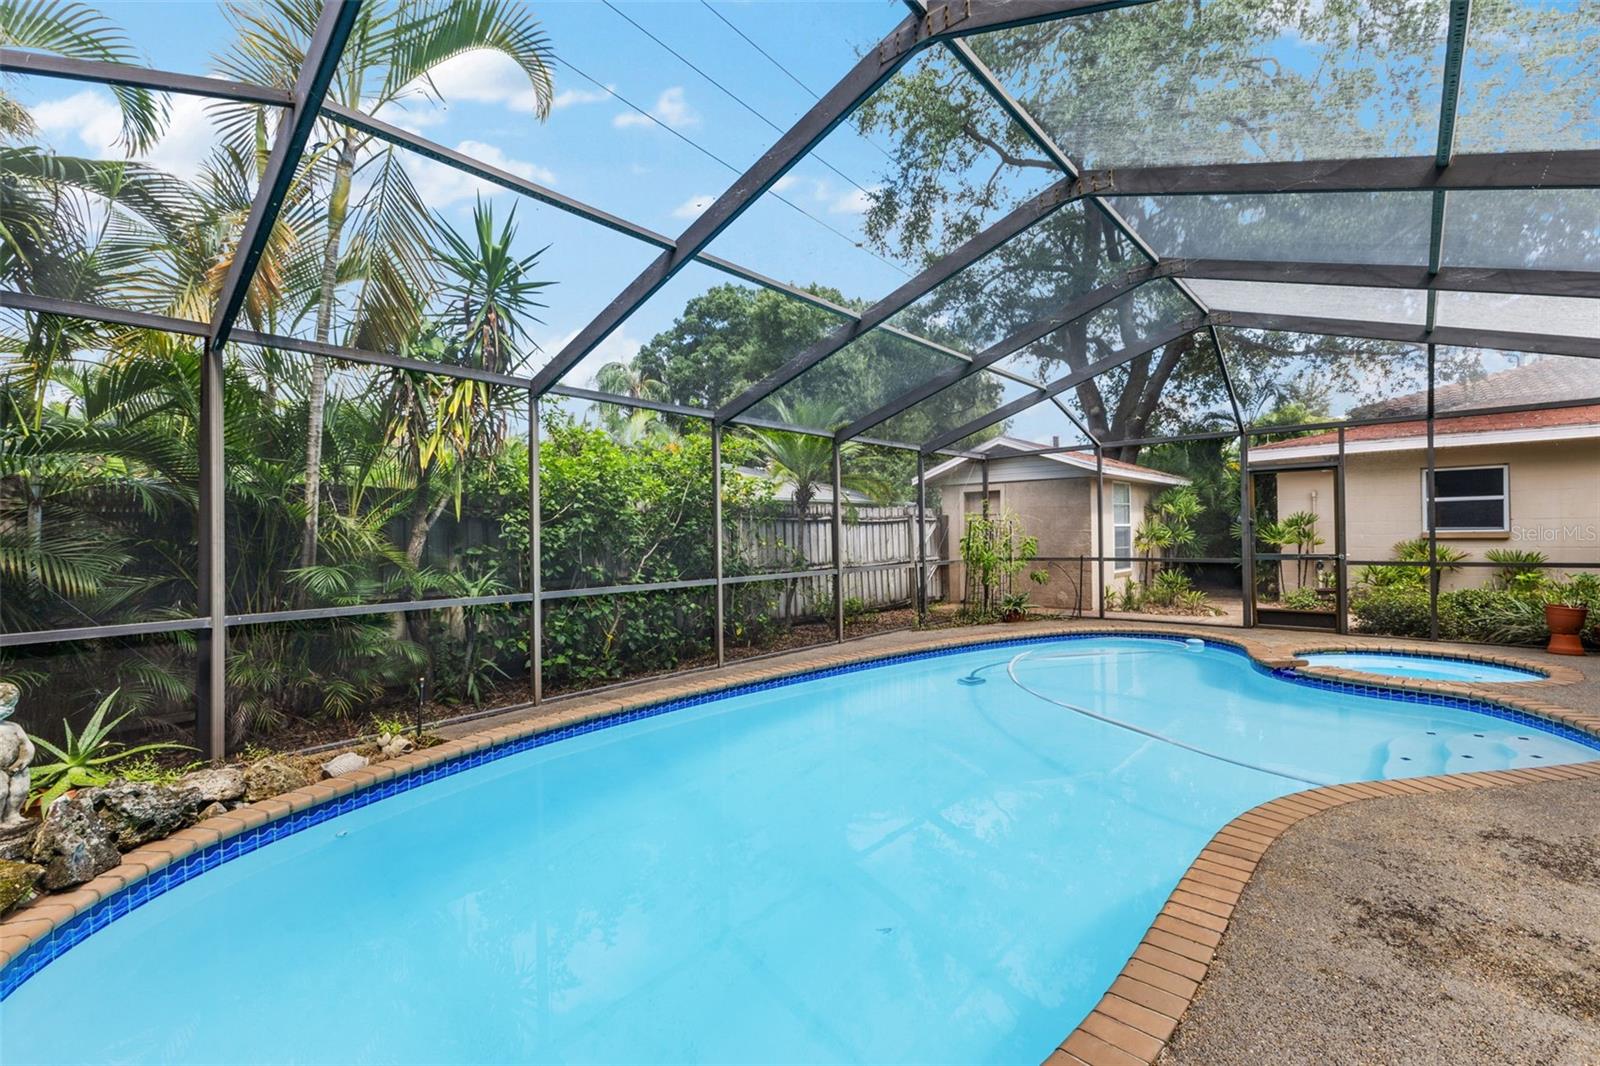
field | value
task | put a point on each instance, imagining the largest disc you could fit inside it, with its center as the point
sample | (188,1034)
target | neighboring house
(1054,495)
(1528,480)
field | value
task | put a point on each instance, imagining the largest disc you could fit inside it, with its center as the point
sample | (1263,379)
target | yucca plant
(87,757)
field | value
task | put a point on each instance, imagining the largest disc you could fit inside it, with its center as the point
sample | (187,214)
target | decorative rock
(73,845)
(348,763)
(136,813)
(18,880)
(272,776)
(215,785)
(16,841)
(211,810)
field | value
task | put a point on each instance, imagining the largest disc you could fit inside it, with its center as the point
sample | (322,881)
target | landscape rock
(273,776)
(212,809)
(347,763)
(73,845)
(138,812)
(16,841)
(216,784)
(18,882)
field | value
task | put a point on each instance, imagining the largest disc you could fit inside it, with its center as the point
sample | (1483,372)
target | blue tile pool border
(132,896)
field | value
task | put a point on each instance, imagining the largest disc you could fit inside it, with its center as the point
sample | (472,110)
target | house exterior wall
(1061,512)
(1554,504)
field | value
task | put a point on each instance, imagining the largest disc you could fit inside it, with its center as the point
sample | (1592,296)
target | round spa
(1426,667)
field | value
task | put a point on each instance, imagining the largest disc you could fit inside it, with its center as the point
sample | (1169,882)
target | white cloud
(853,202)
(692,207)
(93,118)
(569,97)
(441,186)
(785,183)
(620,347)
(485,77)
(671,109)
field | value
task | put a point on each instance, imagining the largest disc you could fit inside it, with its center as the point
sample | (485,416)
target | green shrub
(1303,600)
(1398,610)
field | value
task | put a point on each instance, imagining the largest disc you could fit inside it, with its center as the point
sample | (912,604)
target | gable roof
(1004,447)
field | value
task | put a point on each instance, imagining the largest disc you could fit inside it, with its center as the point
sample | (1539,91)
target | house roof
(1004,447)
(1546,380)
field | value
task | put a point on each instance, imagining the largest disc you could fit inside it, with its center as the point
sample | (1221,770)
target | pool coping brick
(1146,1001)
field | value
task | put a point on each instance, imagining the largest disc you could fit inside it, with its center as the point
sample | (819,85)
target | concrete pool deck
(1398,951)
(1141,1010)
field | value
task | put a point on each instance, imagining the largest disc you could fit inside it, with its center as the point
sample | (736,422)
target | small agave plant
(87,758)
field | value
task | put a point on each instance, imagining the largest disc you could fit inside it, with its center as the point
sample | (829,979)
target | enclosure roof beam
(316,71)
(17,61)
(1546,169)
(936,273)
(1456,336)
(1123,355)
(869,73)
(1585,283)
(1084,305)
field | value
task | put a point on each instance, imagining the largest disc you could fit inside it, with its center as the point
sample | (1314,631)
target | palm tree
(804,461)
(391,52)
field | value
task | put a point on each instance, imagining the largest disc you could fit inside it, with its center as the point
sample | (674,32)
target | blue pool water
(1431,667)
(919,862)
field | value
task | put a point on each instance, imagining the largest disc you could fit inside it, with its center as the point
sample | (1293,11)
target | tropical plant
(87,757)
(804,461)
(1521,570)
(993,551)
(372,227)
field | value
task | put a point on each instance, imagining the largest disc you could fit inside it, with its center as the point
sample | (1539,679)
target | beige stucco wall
(1554,506)
(1061,514)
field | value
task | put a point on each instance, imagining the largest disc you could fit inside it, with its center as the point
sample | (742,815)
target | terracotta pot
(1014,615)
(1566,623)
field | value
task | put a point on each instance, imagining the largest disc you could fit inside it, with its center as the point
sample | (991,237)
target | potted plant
(1014,607)
(1566,618)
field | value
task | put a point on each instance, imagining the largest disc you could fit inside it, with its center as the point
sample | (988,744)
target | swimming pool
(1430,667)
(919,861)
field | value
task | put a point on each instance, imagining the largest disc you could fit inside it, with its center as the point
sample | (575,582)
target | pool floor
(1426,667)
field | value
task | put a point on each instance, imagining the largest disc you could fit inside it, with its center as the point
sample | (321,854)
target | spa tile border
(42,930)
(1554,675)
(1138,1015)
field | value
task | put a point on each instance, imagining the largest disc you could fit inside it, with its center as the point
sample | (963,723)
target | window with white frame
(1122,525)
(1471,499)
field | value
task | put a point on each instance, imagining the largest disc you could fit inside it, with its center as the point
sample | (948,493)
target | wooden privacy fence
(873,537)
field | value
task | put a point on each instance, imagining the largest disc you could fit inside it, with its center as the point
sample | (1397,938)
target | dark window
(1470,499)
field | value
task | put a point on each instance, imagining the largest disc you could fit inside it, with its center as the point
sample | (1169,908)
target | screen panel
(1294,378)
(99,473)
(1532,229)
(421,484)
(1528,78)
(1389,228)
(906,178)
(1161,84)
(132,200)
